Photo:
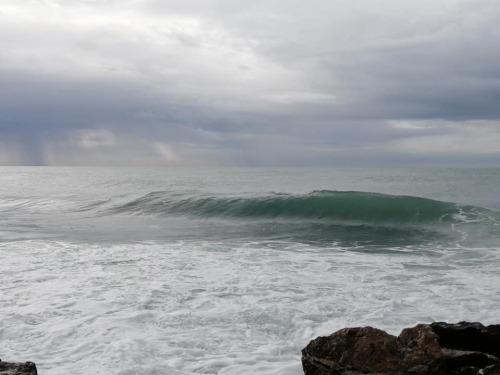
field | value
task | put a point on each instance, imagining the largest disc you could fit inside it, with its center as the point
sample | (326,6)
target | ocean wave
(321,205)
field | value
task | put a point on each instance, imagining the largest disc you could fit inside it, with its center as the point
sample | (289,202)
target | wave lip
(320,205)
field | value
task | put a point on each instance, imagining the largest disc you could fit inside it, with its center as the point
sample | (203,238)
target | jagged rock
(369,350)
(469,336)
(491,370)
(436,349)
(11,368)
(457,360)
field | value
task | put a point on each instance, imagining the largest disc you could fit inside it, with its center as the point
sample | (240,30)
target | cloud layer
(227,82)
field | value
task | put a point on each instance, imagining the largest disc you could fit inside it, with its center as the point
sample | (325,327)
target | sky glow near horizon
(262,83)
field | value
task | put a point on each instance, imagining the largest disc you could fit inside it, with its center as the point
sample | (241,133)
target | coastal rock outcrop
(426,349)
(14,368)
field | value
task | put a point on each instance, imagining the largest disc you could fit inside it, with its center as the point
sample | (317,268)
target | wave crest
(323,205)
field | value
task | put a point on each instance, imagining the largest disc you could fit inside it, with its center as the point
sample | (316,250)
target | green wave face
(324,206)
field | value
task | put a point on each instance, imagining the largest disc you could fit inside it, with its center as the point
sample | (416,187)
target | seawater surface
(233,271)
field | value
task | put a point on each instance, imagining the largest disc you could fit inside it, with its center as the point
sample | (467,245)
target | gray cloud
(151,82)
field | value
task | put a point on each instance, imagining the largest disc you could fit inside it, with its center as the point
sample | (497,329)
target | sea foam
(187,307)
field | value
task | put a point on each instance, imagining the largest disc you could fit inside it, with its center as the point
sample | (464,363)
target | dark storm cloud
(250,83)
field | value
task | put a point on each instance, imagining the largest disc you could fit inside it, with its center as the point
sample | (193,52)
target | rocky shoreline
(426,349)
(14,368)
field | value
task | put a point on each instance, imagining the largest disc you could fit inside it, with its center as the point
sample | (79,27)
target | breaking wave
(323,205)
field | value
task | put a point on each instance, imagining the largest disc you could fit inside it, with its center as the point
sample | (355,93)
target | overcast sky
(262,82)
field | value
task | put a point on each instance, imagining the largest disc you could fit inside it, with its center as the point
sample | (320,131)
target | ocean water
(233,271)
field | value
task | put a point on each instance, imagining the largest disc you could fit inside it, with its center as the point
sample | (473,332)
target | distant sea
(118,271)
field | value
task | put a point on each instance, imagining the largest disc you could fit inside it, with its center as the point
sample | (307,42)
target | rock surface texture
(12,368)
(426,349)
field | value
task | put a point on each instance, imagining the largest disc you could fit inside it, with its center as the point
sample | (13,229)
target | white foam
(220,308)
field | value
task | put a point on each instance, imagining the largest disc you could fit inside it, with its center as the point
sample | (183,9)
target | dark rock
(469,336)
(369,350)
(436,349)
(12,368)
(491,370)
(457,359)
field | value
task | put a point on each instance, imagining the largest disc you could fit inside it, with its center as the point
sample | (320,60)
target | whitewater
(233,271)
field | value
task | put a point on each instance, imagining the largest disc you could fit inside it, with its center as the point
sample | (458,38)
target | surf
(325,206)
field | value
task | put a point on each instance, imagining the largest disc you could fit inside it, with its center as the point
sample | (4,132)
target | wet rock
(368,350)
(459,360)
(439,348)
(491,370)
(12,368)
(469,336)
